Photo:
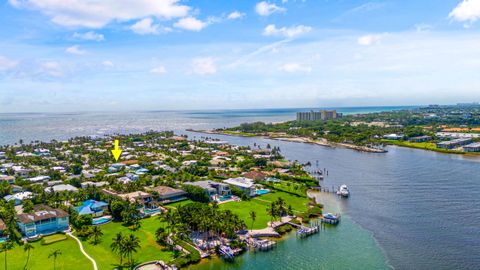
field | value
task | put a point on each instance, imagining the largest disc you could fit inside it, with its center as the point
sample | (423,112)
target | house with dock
(43,220)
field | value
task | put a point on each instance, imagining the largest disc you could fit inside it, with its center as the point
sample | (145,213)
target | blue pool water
(262,191)
(101,220)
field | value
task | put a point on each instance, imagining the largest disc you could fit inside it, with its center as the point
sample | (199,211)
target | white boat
(343,191)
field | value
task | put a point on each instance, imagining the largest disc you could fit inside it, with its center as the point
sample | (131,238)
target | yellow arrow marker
(116,152)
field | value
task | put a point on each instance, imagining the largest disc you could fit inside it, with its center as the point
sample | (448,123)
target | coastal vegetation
(118,210)
(370,132)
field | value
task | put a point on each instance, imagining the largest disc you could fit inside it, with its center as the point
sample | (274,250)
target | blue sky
(74,55)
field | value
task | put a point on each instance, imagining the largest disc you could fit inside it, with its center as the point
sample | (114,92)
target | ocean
(409,209)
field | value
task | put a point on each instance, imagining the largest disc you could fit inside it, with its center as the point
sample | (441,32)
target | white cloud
(108,63)
(89,36)
(146,26)
(289,32)
(190,23)
(75,49)
(6,64)
(158,70)
(265,8)
(98,13)
(235,15)
(466,11)
(369,39)
(51,68)
(204,66)
(295,67)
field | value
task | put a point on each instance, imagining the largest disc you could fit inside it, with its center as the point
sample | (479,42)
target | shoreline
(296,139)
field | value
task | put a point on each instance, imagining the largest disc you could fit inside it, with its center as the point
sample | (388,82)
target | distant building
(320,115)
(393,136)
(454,143)
(425,138)
(44,220)
(473,147)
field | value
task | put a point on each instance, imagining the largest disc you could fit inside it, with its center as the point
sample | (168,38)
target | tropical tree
(272,212)
(27,248)
(95,235)
(4,247)
(253,216)
(54,254)
(117,246)
(131,244)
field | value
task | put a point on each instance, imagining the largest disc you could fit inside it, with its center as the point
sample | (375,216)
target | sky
(124,55)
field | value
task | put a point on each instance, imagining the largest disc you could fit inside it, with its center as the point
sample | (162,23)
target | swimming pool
(224,198)
(151,211)
(262,191)
(101,220)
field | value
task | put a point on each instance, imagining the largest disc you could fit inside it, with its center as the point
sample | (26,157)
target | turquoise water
(402,202)
(345,246)
(102,220)
(262,191)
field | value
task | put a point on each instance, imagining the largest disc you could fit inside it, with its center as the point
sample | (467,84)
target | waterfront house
(473,147)
(92,207)
(169,195)
(454,143)
(243,183)
(418,139)
(143,199)
(44,220)
(393,136)
(212,188)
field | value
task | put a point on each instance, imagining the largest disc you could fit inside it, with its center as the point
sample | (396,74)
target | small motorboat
(343,191)
(330,218)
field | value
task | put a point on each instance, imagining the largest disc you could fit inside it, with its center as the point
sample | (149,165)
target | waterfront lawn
(70,259)
(149,250)
(260,205)
(50,239)
(177,204)
(289,187)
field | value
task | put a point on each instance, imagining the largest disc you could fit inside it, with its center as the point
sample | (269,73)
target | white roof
(61,187)
(240,182)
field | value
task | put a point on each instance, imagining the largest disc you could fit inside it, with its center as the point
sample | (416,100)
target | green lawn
(291,187)
(70,259)
(150,250)
(422,145)
(177,204)
(47,240)
(260,205)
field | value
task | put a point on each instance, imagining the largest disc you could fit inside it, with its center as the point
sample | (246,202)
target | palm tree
(4,248)
(117,245)
(27,248)
(96,234)
(131,244)
(253,216)
(54,254)
(272,212)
